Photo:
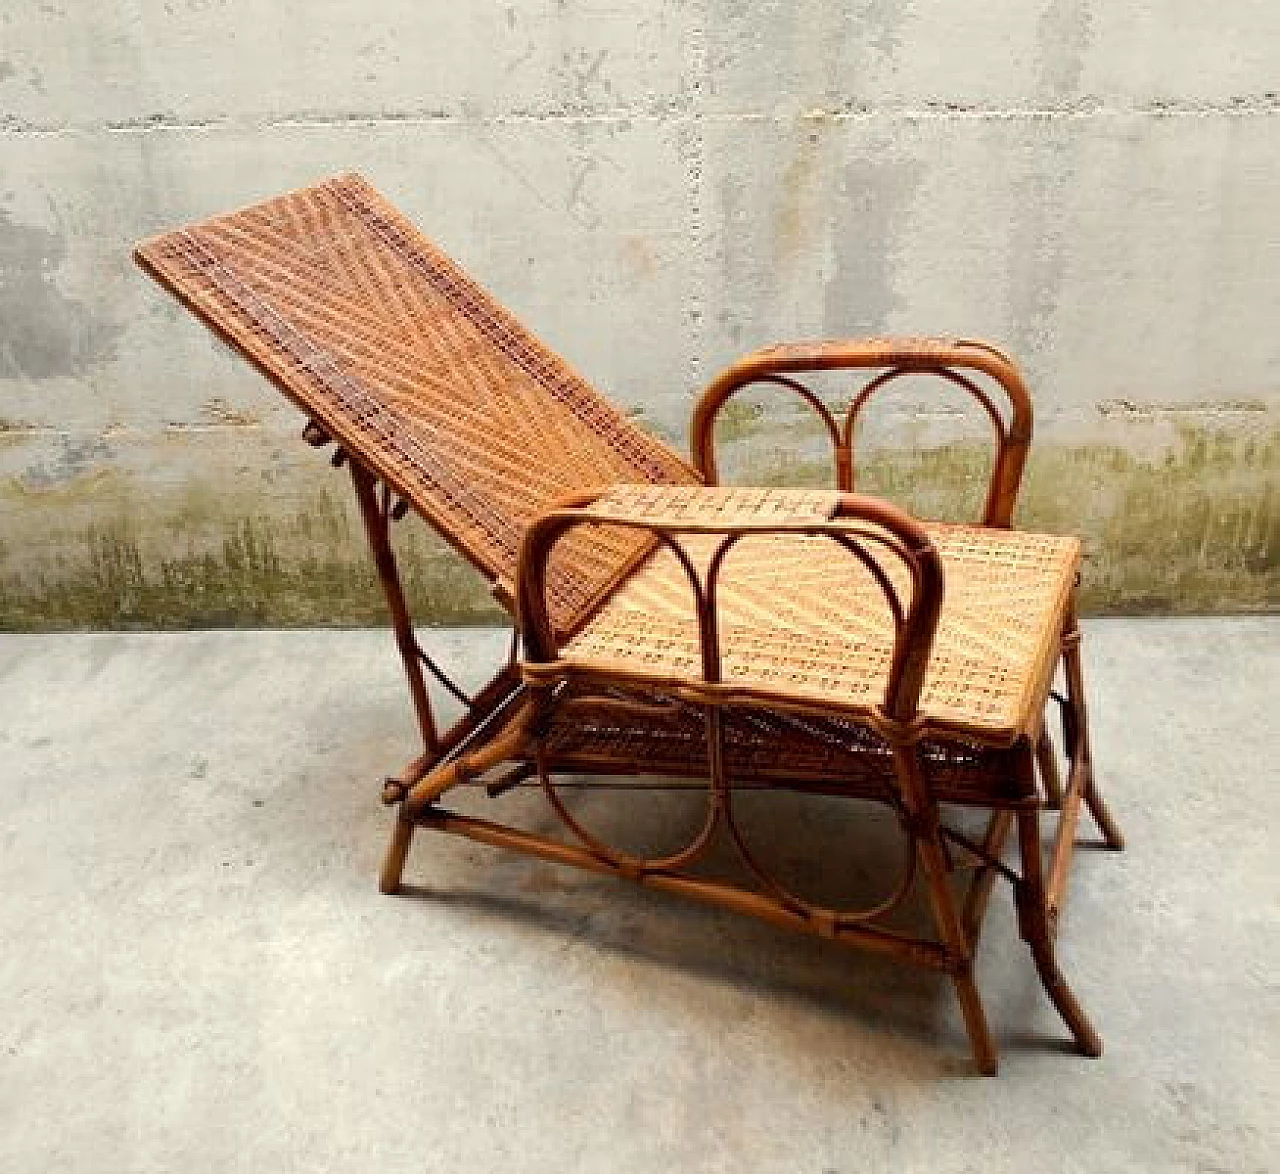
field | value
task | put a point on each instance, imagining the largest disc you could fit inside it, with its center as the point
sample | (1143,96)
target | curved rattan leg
(397,850)
(1033,922)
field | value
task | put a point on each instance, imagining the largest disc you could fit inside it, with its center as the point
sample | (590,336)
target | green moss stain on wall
(1192,529)
(1191,526)
(193,558)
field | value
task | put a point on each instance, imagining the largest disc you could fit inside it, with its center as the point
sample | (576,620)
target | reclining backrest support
(418,373)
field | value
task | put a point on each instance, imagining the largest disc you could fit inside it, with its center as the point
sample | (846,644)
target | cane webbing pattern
(801,620)
(419,373)
(716,505)
(765,747)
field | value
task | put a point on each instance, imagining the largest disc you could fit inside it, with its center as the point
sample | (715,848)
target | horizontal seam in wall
(1084,108)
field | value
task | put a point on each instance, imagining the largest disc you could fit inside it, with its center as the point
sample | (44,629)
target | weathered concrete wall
(654,187)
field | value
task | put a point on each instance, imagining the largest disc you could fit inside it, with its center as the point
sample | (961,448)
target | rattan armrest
(955,361)
(734,515)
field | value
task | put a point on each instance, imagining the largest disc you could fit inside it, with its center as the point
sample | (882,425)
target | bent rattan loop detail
(944,358)
(727,517)
(796,626)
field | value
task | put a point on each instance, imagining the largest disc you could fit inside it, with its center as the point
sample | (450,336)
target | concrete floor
(197,972)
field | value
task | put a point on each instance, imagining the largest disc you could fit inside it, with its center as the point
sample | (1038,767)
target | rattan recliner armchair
(820,641)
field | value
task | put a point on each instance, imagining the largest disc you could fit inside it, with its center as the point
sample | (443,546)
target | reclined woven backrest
(418,373)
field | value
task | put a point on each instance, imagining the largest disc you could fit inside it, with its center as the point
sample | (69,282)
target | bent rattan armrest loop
(666,512)
(949,359)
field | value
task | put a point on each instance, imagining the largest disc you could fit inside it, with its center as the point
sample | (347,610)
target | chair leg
(975,1022)
(933,859)
(1111,832)
(377,525)
(1033,923)
(397,850)
(1078,738)
(948,921)
(1050,779)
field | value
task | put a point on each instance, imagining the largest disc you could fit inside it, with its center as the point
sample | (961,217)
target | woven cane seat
(802,622)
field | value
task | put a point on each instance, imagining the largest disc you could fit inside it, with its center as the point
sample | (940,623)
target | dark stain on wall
(43,333)
(874,196)
(195,557)
(1065,34)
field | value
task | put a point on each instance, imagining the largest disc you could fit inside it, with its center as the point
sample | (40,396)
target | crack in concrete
(693,151)
(676,110)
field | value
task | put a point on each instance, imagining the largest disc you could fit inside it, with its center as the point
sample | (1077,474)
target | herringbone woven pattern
(400,356)
(800,619)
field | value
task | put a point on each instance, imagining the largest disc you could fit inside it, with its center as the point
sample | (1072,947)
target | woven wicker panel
(779,749)
(801,619)
(711,506)
(418,372)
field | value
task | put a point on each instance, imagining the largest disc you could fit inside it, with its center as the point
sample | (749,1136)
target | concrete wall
(654,187)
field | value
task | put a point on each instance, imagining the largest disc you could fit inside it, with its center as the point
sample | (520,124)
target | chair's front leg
(1050,779)
(1036,928)
(947,917)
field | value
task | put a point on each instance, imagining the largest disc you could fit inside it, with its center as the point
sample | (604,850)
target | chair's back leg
(377,524)
(397,852)
(492,698)
(1078,730)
